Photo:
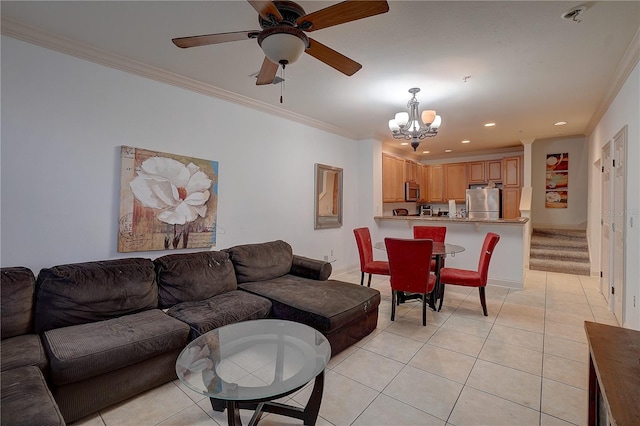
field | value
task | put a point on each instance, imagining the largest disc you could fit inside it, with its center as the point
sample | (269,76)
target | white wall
(575,215)
(624,111)
(64,120)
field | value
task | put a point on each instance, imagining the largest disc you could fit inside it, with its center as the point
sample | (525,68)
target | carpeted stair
(559,250)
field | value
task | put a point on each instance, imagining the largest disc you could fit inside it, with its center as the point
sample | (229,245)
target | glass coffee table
(247,365)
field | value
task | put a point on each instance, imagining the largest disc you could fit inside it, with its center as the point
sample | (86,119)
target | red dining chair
(464,277)
(435,233)
(410,270)
(365,249)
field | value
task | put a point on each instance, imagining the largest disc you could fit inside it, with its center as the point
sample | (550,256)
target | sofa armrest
(310,268)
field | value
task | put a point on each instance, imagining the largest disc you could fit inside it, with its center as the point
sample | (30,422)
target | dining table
(439,253)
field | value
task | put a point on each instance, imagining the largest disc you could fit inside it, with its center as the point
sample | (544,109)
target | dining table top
(439,248)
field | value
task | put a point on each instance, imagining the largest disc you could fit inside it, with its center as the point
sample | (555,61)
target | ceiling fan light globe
(283,48)
(393,126)
(428,116)
(402,118)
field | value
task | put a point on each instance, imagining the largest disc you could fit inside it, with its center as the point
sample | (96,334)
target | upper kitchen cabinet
(494,171)
(455,181)
(512,185)
(480,172)
(512,172)
(477,172)
(435,183)
(393,172)
(423,178)
(410,170)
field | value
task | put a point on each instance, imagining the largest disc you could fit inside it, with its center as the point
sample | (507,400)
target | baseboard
(581,226)
(516,285)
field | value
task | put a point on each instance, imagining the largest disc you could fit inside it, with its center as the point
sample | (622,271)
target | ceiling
(518,64)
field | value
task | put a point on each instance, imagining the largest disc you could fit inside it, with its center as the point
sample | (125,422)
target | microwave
(411,191)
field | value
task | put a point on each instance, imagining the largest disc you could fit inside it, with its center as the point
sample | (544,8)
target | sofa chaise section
(299,291)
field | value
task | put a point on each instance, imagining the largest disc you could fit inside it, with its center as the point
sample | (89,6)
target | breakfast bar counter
(440,219)
(507,263)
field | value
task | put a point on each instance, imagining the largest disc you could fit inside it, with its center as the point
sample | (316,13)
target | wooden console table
(614,375)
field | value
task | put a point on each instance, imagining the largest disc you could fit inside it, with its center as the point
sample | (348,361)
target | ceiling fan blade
(203,40)
(267,72)
(347,11)
(332,58)
(266,9)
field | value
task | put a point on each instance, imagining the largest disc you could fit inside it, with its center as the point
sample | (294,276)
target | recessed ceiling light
(404,143)
(560,123)
(425,152)
(489,124)
(466,141)
(447,150)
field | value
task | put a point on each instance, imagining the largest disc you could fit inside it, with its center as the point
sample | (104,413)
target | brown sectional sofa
(113,329)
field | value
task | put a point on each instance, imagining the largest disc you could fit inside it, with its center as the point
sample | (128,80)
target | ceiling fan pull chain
(282,85)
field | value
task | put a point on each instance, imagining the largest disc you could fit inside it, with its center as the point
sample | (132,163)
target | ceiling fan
(283,38)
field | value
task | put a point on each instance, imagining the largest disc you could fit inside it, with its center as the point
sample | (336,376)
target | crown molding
(36,36)
(625,67)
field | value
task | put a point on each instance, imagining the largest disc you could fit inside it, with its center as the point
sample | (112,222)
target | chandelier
(407,125)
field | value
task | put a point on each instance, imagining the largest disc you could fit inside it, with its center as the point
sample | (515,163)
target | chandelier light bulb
(428,116)
(402,118)
(393,125)
(436,122)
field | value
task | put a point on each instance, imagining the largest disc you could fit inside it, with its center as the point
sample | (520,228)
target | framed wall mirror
(328,197)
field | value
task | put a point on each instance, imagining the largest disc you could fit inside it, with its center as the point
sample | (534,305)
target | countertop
(519,220)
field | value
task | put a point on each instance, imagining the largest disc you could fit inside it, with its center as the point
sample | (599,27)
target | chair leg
(441,296)
(393,305)
(483,301)
(424,309)
(369,282)
(362,279)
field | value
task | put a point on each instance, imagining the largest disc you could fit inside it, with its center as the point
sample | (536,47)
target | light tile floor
(524,364)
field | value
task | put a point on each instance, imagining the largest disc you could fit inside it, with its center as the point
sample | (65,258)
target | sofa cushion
(193,276)
(17,285)
(21,351)
(226,308)
(26,400)
(263,261)
(94,291)
(87,350)
(323,305)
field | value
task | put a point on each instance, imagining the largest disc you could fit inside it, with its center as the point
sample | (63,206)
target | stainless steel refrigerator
(484,203)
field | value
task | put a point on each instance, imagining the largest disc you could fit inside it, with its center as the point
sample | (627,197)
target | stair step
(554,254)
(559,243)
(560,233)
(576,268)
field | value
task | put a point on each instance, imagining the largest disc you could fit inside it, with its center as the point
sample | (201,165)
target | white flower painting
(167,201)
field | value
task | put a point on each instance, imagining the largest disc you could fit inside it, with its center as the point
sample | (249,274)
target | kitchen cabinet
(435,183)
(512,173)
(511,187)
(393,170)
(494,171)
(455,181)
(477,172)
(410,170)
(422,178)
(510,203)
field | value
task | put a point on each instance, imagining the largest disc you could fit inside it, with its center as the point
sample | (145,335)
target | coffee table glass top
(253,360)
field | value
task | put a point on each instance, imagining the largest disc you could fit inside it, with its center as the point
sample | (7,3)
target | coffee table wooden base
(308,414)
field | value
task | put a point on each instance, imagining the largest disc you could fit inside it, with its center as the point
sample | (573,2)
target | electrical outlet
(331,254)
